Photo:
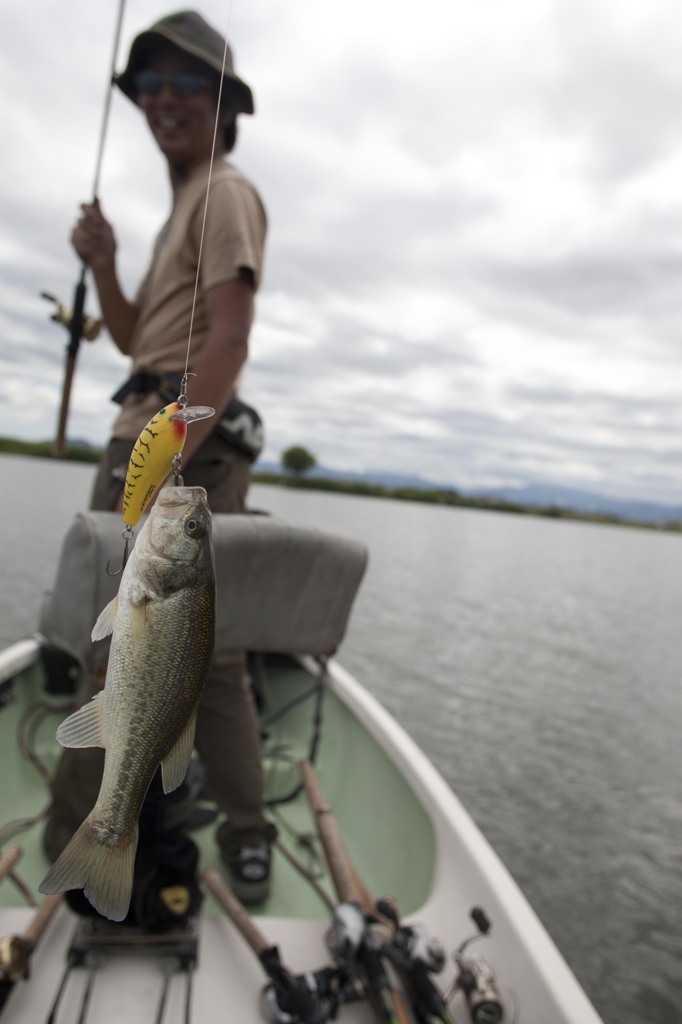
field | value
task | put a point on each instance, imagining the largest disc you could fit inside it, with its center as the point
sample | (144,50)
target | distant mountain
(539,495)
(381,479)
(576,500)
(79,442)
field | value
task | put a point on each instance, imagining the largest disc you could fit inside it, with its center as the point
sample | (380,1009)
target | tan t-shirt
(234,239)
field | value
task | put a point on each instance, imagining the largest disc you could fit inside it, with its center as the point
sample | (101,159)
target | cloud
(473,258)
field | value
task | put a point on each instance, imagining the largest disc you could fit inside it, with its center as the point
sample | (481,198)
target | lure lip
(192,413)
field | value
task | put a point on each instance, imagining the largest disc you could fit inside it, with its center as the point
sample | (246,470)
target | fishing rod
(8,859)
(310,998)
(417,955)
(355,937)
(77,324)
(16,950)
(397,960)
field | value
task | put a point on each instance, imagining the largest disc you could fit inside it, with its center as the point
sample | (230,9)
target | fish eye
(193,526)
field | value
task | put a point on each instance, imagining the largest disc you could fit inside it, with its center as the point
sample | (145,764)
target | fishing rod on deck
(78,325)
(310,998)
(396,961)
(375,956)
(356,937)
(16,950)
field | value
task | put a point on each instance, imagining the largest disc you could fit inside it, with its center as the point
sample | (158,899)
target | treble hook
(127,536)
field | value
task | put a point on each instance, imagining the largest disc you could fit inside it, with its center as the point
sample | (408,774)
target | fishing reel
(312,997)
(346,932)
(64,316)
(418,955)
(14,953)
(476,978)
(412,947)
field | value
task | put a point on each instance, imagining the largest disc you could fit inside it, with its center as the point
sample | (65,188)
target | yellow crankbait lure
(157,453)
(157,448)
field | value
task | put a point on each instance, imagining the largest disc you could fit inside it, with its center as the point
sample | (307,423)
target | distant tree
(298,460)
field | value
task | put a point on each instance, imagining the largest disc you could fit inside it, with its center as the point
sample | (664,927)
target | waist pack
(239,423)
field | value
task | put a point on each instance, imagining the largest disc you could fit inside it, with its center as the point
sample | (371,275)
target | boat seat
(280,588)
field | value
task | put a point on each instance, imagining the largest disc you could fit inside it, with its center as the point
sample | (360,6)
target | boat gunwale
(450,819)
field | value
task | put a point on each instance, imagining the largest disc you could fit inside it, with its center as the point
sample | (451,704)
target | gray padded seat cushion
(280,588)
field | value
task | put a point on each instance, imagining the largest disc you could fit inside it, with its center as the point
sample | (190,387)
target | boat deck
(400,828)
(295,916)
(407,834)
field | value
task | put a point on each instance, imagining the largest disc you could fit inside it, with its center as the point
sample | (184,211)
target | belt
(144,382)
(239,424)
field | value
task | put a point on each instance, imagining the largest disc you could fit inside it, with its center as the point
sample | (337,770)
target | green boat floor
(386,831)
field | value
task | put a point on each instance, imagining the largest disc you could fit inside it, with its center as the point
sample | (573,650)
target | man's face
(180,111)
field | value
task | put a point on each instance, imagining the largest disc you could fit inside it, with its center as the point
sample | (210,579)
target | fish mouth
(175,508)
(172,496)
(179,501)
(175,502)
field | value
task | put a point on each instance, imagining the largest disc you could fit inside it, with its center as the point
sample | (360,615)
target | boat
(387,902)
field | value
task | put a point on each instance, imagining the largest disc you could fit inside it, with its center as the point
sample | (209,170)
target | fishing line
(107,100)
(208,189)
(158,449)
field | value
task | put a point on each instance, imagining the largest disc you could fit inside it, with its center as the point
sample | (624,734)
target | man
(173,75)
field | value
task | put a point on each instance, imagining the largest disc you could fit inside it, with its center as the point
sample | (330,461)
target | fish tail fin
(104,872)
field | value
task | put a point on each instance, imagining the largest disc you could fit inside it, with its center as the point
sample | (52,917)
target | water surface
(537,662)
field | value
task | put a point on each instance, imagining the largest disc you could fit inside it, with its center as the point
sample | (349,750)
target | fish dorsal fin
(105,623)
(84,728)
(174,766)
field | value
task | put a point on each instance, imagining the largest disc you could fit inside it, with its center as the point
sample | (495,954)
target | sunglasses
(183,84)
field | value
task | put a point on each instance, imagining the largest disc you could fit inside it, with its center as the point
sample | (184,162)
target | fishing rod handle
(8,859)
(42,918)
(347,884)
(235,911)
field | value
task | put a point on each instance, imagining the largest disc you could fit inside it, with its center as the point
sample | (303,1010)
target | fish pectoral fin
(141,592)
(138,619)
(105,622)
(174,766)
(84,728)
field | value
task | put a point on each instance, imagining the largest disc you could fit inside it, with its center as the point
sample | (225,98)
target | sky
(474,261)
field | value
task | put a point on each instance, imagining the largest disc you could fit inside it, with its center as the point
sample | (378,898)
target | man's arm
(230,311)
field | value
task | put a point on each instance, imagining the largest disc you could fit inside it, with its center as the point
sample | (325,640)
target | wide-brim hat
(190,33)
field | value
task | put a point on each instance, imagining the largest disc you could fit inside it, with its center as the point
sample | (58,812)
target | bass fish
(163,629)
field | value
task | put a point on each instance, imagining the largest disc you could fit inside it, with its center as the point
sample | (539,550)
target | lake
(538,664)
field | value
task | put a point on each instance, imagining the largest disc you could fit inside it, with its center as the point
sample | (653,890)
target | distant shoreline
(82,452)
(43,450)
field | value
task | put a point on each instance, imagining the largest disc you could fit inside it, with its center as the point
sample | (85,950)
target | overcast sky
(474,267)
